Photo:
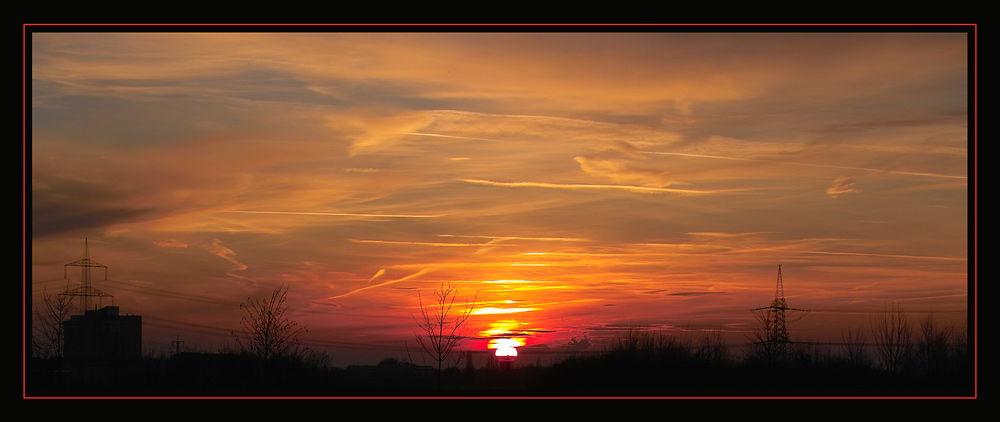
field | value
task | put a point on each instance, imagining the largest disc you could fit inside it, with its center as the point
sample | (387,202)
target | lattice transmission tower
(774,323)
(86,291)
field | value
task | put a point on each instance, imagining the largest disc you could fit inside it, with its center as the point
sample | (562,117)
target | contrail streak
(577,186)
(338,214)
(414,275)
(400,242)
(945,258)
(377,275)
(494,239)
(719,157)
(436,135)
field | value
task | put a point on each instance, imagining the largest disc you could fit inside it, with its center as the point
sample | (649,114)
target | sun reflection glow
(505,342)
(510,281)
(493,311)
(504,336)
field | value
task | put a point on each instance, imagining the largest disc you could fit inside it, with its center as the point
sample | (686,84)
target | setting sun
(505,347)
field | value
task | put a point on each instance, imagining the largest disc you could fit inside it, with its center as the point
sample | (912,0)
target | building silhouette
(102,336)
(99,336)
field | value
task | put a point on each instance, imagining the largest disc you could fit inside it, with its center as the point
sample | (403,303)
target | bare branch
(266,330)
(893,338)
(47,340)
(442,326)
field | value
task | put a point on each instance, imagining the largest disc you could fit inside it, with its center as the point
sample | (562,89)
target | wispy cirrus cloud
(618,164)
(841,185)
(828,166)
(584,186)
(412,243)
(496,239)
(170,243)
(216,248)
(337,214)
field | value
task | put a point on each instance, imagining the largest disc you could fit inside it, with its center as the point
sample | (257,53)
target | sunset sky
(571,183)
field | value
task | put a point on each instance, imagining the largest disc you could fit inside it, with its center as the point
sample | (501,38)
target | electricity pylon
(776,337)
(85,290)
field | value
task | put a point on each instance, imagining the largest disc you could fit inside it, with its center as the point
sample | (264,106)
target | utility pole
(777,335)
(177,344)
(86,290)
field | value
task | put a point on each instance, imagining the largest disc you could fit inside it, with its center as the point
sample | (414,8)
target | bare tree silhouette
(713,348)
(893,338)
(938,348)
(267,332)
(854,346)
(442,327)
(47,340)
(765,344)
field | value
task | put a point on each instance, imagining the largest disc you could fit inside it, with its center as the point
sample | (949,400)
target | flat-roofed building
(102,336)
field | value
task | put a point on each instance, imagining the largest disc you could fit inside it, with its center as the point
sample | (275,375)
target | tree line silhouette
(890,357)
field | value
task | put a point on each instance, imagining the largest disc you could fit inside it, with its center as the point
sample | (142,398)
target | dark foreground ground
(604,375)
